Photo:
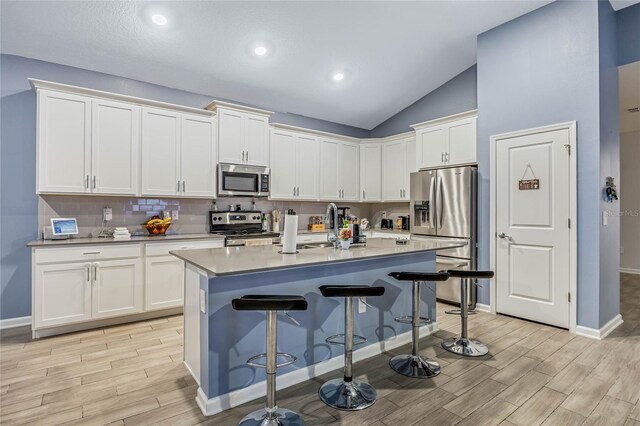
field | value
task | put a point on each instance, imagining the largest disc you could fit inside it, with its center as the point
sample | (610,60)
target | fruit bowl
(157,226)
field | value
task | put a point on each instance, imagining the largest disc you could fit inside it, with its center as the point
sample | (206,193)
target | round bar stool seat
(271,415)
(414,365)
(347,393)
(463,345)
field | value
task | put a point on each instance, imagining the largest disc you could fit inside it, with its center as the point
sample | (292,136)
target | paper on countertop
(290,234)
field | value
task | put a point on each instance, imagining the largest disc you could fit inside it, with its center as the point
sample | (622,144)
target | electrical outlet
(605,219)
(174,215)
(107,214)
(362,307)
(203,301)
(621,249)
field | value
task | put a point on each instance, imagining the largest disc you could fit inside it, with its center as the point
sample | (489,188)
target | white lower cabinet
(117,288)
(164,281)
(62,294)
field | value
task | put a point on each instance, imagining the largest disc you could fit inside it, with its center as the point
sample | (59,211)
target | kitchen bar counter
(243,260)
(141,239)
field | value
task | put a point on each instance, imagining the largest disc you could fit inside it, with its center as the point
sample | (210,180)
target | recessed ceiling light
(338,76)
(260,50)
(159,19)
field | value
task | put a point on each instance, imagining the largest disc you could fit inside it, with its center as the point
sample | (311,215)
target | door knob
(504,236)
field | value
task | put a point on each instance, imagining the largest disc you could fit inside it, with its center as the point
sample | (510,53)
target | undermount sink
(304,246)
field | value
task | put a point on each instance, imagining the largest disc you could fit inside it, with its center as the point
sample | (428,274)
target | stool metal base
(414,366)
(283,417)
(465,347)
(349,396)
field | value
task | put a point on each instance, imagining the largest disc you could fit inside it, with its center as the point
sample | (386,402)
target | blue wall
(628,24)
(18,201)
(540,69)
(457,95)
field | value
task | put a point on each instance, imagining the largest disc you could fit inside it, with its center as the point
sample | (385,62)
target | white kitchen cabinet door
(432,146)
(349,171)
(393,170)
(329,166)
(283,165)
(115,142)
(307,168)
(117,288)
(64,142)
(462,141)
(62,294)
(256,140)
(160,152)
(164,282)
(198,157)
(370,172)
(410,166)
(230,136)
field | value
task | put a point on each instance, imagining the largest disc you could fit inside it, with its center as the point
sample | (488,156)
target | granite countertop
(142,239)
(241,260)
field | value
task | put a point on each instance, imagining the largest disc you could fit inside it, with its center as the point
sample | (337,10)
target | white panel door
(462,142)
(307,167)
(349,180)
(164,282)
(230,145)
(198,157)
(117,288)
(533,239)
(283,165)
(256,140)
(115,136)
(329,165)
(432,146)
(370,172)
(160,152)
(64,142)
(393,170)
(62,294)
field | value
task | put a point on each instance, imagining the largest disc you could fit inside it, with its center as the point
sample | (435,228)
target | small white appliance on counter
(61,229)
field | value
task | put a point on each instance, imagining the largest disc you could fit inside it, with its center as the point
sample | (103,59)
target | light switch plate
(107,214)
(203,301)
(605,219)
(174,215)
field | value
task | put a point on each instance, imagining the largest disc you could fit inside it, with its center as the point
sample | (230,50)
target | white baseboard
(630,271)
(481,307)
(14,322)
(220,403)
(603,332)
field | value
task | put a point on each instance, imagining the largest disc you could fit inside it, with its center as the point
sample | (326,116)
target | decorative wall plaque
(527,184)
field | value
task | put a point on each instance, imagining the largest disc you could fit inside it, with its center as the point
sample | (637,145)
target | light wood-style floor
(133,375)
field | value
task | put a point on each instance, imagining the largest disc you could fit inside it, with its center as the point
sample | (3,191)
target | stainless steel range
(241,228)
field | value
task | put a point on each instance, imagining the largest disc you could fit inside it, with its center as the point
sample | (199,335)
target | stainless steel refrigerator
(445,206)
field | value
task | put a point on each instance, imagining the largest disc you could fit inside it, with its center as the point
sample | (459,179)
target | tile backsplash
(132,212)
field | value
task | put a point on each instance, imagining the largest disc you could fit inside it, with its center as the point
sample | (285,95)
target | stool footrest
(288,360)
(408,319)
(338,339)
(457,312)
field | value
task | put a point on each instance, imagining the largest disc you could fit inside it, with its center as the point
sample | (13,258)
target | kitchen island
(219,340)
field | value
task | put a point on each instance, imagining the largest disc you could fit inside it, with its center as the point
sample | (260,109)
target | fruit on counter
(157,225)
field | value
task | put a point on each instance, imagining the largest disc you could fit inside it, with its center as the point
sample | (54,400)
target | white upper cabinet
(349,172)
(447,141)
(243,134)
(370,172)
(115,137)
(64,143)
(160,152)
(294,166)
(398,161)
(198,156)
(329,166)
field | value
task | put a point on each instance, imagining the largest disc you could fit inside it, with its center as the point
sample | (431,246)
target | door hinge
(569,297)
(568,148)
(569,223)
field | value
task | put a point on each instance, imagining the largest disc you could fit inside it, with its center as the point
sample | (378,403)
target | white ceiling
(629,81)
(392,52)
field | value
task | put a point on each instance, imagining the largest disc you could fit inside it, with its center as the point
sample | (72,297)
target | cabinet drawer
(163,249)
(87,253)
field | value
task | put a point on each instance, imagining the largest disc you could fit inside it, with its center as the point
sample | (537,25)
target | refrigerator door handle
(440,202)
(432,203)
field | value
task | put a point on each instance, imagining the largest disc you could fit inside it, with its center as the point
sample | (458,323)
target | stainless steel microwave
(239,180)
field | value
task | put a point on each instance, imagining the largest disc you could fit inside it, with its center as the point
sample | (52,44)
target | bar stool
(415,365)
(271,415)
(463,345)
(347,393)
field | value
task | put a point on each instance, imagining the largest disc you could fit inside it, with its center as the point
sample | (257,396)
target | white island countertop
(244,260)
